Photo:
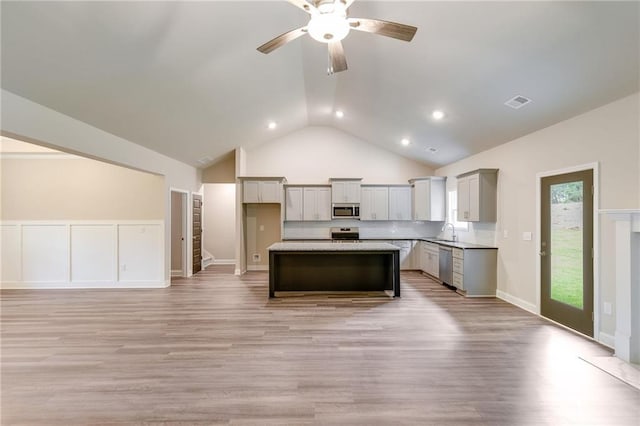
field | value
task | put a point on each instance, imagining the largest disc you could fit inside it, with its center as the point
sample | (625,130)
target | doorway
(197,233)
(567,249)
(178,233)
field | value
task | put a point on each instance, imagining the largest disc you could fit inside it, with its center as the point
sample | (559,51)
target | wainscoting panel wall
(10,254)
(82,254)
(45,253)
(93,253)
(140,253)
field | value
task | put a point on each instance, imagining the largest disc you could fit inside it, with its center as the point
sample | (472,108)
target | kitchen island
(325,266)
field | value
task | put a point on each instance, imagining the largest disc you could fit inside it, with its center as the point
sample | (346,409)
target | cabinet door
(400,203)
(381,203)
(421,196)
(251,191)
(338,194)
(310,204)
(424,258)
(293,210)
(405,253)
(323,203)
(352,190)
(474,198)
(437,198)
(367,204)
(436,264)
(270,191)
(463,200)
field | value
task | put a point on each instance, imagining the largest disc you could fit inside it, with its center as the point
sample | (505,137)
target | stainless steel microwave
(345,211)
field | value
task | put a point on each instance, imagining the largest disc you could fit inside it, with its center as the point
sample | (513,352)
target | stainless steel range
(347,235)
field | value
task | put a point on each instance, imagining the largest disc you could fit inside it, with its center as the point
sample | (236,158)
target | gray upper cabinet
(317,203)
(400,203)
(428,195)
(308,203)
(477,193)
(345,190)
(374,203)
(262,190)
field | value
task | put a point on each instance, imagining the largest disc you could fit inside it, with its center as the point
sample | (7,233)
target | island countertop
(329,246)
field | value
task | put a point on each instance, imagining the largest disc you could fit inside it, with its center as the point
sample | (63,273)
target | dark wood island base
(334,267)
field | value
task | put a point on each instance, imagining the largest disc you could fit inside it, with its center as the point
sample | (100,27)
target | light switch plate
(505,234)
(527,236)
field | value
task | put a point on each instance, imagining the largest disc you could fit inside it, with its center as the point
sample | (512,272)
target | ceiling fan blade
(282,39)
(385,28)
(304,5)
(337,60)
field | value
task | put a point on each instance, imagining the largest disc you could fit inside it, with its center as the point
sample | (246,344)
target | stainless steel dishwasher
(446,265)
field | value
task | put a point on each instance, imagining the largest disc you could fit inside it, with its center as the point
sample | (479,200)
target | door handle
(543,253)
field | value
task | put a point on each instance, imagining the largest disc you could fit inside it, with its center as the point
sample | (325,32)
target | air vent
(517,102)
(205,160)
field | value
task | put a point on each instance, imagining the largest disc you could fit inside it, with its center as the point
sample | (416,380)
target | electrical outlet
(607,308)
(261,228)
(124,266)
(256,257)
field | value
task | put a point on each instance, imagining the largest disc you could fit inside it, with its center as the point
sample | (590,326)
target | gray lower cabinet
(430,259)
(474,271)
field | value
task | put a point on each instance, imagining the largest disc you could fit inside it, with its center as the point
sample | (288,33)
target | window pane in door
(566,243)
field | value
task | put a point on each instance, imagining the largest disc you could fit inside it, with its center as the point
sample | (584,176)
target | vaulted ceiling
(185,78)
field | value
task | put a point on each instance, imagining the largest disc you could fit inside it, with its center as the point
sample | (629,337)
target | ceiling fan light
(328,27)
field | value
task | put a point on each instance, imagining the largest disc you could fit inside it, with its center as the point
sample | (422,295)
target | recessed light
(437,115)
(405,142)
(339,114)
(272,125)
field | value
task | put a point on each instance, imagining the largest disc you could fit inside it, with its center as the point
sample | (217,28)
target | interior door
(197,233)
(566,250)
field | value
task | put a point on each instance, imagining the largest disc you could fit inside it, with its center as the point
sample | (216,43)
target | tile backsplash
(368,229)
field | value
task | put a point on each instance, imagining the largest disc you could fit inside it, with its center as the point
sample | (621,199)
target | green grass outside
(566,269)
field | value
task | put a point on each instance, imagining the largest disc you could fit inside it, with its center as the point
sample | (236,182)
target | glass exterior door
(566,250)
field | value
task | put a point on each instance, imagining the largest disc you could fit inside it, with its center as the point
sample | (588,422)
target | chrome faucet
(454,237)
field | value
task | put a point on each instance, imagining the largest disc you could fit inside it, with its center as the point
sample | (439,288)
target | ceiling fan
(329,24)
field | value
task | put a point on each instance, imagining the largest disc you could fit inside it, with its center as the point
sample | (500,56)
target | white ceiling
(185,78)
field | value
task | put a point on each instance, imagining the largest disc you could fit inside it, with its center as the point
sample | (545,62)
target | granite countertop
(456,244)
(329,246)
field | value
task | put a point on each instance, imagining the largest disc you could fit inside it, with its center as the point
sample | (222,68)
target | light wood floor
(214,350)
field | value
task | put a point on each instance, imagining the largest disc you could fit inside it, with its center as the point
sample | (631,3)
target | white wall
(608,135)
(219,221)
(27,120)
(315,154)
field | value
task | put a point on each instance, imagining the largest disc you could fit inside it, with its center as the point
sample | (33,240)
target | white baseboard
(21,285)
(176,272)
(257,267)
(607,339)
(224,262)
(517,301)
